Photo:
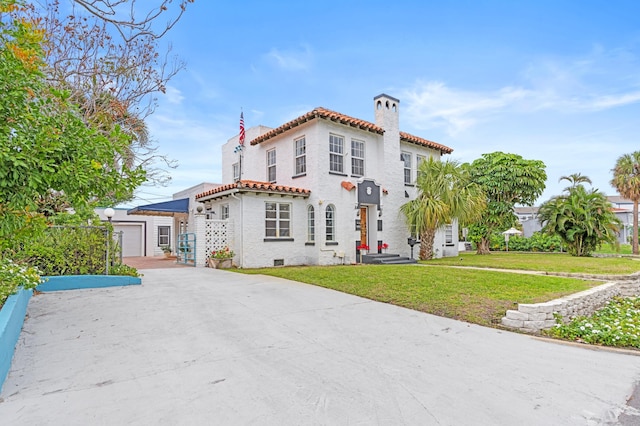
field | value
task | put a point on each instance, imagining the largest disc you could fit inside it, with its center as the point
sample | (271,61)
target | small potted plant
(362,248)
(167,251)
(221,259)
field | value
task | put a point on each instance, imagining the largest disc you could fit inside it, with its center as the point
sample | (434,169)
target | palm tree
(582,218)
(626,179)
(575,179)
(444,194)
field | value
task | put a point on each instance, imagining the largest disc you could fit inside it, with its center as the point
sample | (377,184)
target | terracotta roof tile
(406,137)
(315,114)
(252,184)
(327,114)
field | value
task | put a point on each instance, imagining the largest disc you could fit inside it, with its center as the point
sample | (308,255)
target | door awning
(166,208)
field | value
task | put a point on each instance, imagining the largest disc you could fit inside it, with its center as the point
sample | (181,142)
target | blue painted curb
(77,282)
(11,320)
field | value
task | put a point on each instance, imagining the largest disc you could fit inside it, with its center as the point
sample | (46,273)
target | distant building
(623,209)
(528,218)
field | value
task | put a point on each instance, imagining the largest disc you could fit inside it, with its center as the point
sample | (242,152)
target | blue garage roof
(166,208)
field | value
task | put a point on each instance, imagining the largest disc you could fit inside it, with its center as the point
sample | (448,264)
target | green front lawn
(471,295)
(549,262)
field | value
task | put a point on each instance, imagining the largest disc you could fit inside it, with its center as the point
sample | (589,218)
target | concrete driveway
(201,346)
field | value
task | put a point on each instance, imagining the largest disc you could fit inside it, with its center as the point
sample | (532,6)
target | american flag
(241,128)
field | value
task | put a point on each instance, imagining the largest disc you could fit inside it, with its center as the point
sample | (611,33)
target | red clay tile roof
(255,185)
(319,113)
(406,137)
(349,121)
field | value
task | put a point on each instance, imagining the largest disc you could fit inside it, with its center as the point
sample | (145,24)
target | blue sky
(557,81)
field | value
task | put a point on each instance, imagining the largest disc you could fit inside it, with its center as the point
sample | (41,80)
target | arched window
(311,224)
(330,223)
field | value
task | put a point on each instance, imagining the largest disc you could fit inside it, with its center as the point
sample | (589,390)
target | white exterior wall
(149,228)
(382,165)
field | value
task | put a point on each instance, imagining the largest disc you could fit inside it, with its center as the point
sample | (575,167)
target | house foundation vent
(278,262)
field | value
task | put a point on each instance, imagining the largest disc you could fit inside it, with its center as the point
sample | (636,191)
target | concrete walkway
(198,346)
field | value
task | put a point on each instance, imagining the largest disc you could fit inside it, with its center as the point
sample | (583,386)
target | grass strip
(475,296)
(549,262)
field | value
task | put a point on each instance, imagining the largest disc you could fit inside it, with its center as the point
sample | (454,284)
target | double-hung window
(405,157)
(448,235)
(164,238)
(271,165)
(330,223)
(277,220)
(224,211)
(236,172)
(301,156)
(311,224)
(419,160)
(357,158)
(336,154)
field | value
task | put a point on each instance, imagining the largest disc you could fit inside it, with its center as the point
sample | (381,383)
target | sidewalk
(157,262)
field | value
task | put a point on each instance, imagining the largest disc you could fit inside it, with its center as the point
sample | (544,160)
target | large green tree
(582,218)
(444,195)
(506,180)
(626,179)
(45,145)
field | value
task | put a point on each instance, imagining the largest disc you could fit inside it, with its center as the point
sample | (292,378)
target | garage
(132,238)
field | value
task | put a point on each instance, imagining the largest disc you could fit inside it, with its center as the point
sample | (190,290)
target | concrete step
(386,259)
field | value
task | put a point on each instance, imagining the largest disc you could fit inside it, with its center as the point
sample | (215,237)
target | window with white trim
(271,165)
(224,211)
(277,220)
(301,156)
(405,157)
(448,234)
(236,172)
(336,154)
(164,236)
(330,223)
(311,224)
(357,158)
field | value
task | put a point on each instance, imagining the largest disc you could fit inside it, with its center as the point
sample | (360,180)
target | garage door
(131,239)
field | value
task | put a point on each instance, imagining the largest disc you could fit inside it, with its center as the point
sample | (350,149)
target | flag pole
(240,148)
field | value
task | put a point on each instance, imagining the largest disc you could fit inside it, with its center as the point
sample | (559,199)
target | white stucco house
(313,190)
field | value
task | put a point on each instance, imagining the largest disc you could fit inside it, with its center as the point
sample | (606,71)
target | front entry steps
(386,259)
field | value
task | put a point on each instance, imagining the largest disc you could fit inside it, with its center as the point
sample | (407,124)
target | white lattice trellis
(218,234)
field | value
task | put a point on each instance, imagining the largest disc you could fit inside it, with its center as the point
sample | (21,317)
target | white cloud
(291,60)
(433,104)
(586,84)
(174,96)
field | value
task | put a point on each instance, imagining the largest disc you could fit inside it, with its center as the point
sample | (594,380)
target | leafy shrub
(617,324)
(121,269)
(14,276)
(69,251)
(538,242)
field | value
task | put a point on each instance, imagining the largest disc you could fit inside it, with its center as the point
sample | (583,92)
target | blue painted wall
(76,282)
(11,319)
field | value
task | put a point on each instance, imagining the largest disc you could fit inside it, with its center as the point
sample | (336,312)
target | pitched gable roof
(252,185)
(326,114)
(406,137)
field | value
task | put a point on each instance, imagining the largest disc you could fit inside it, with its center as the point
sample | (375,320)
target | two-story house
(313,190)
